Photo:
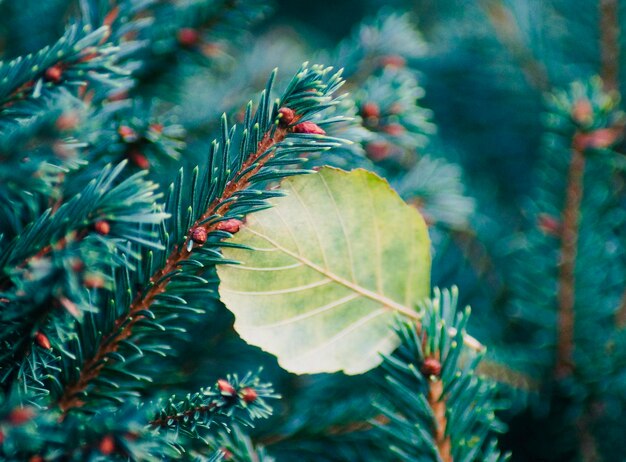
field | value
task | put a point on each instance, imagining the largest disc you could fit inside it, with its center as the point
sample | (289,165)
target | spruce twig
(609,43)
(159,280)
(502,373)
(509,34)
(569,244)
(437,403)
(245,399)
(333,430)
(588,445)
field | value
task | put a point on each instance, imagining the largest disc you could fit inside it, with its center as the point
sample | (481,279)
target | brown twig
(333,430)
(589,451)
(569,245)
(359,426)
(609,43)
(437,403)
(110,343)
(509,34)
(477,256)
(501,373)
(165,421)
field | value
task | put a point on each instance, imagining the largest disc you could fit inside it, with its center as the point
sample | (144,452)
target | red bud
(118,95)
(309,127)
(139,159)
(157,128)
(394,129)
(396,108)
(548,224)
(107,445)
(54,73)
(286,116)
(211,49)
(67,121)
(93,281)
(21,415)
(78,266)
(393,61)
(370,110)
(225,387)
(127,134)
(378,150)
(131,436)
(601,138)
(249,395)
(430,367)
(188,37)
(199,235)
(70,306)
(230,226)
(582,111)
(42,341)
(102,227)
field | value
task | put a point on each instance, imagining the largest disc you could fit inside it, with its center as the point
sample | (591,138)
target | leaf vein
(385,301)
(307,212)
(266,268)
(288,290)
(373,210)
(308,314)
(352,327)
(343,227)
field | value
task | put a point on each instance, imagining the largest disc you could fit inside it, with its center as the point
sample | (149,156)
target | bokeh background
(472,141)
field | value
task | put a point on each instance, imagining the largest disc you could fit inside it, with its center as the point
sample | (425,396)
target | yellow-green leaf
(333,261)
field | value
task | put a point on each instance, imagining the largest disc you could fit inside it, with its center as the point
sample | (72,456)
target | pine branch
(331,431)
(509,34)
(569,243)
(78,70)
(197,26)
(139,130)
(479,257)
(437,402)
(129,200)
(586,138)
(386,40)
(571,219)
(73,59)
(329,426)
(500,372)
(36,433)
(236,446)
(159,281)
(588,445)
(609,43)
(36,155)
(42,268)
(197,236)
(230,400)
(430,383)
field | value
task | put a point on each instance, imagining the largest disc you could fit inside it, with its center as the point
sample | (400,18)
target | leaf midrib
(385,301)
